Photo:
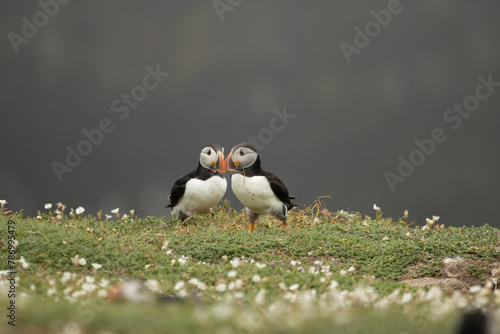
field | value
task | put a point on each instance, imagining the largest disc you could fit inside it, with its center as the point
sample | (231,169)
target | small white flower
(239,295)
(375,207)
(152,285)
(235,262)
(96,265)
(77,260)
(238,283)
(283,286)
(51,291)
(88,287)
(259,265)
(435,218)
(102,293)
(183,293)
(108,216)
(259,298)
(79,210)
(3,202)
(23,262)
(179,285)
(221,287)
(202,286)
(407,297)
(165,244)
(182,261)
(66,277)
(115,211)
(124,216)
(343,272)
(351,268)
(194,281)
(169,252)
(48,206)
(256,278)
(425,228)
(385,238)
(89,279)
(231,286)
(475,289)
(294,287)
(232,273)
(104,283)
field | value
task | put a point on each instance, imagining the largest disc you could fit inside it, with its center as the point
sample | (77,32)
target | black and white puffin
(261,192)
(203,188)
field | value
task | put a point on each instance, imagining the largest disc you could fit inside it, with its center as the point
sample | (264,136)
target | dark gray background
(352,120)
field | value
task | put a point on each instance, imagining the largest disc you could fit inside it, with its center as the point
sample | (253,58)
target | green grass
(356,251)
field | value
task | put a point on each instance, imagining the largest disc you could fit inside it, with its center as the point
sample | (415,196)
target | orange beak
(226,163)
(223,165)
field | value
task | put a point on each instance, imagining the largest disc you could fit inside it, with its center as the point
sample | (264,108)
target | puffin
(200,190)
(261,192)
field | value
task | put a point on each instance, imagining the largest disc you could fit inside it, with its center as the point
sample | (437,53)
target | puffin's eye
(242,153)
(209,152)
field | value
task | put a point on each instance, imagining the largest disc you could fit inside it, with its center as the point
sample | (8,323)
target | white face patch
(208,157)
(245,156)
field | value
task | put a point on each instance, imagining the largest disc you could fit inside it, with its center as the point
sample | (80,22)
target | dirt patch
(458,274)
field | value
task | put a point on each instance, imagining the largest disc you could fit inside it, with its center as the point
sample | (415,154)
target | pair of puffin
(261,192)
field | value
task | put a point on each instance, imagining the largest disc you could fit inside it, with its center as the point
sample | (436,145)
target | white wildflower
(88,287)
(102,293)
(407,297)
(221,287)
(3,202)
(194,281)
(425,228)
(89,279)
(365,223)
(238,283)
(351,268)
(169,252)
(165,244)
(96,265)
(333,284)
(79,210)
(385,238)
(77,260)
(283,286)
(23,262)
(259,298)
(152,285)
(343,272)
(256,278)
(375,207)
(115,211)
(104,283)
(232,273)
(475,289)
(231,286)
(435,218)
(179,285)
(182,261)
(66,277)
(235,262)
(182,293)
(259,265)
(51,291)
(48,206)
(108,216)
(294,287)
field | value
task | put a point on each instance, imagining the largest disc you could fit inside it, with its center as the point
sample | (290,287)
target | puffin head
(212,157)
(242,156)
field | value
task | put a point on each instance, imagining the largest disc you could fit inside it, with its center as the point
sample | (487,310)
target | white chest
(200,196)
(255,193)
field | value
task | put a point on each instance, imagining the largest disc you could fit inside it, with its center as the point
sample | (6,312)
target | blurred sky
(229,68)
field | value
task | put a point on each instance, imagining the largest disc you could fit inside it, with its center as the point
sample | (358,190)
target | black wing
(279,189)
(178,189)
